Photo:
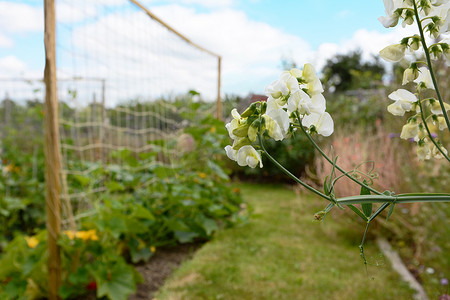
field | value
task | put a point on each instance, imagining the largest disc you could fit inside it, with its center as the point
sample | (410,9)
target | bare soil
(160,266)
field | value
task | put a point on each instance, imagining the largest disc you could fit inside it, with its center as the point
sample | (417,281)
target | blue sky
(251,35)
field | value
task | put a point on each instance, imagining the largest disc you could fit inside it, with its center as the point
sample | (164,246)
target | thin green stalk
(401,198)
(430,66)
(331,162)
(292,176)
(424,121)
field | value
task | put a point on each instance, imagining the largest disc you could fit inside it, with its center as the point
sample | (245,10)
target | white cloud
(251,50)
(20,17)
(369,42)
(206,3)
(5,41)
(11,65)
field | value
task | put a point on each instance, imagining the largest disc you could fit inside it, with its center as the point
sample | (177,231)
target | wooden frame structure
(53,161)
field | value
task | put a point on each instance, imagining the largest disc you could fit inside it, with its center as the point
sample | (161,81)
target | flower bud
(441,123)
(241,130)
(253,130)
(414,43)
(249,111)
(423,151)
(238,144)
(409,75)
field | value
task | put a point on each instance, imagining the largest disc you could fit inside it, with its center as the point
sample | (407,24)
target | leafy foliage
(142,209)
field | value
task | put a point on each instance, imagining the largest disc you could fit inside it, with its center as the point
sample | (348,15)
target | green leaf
(79,277)
(217,170)
(366,207)
(391,210)
(114,186)
(184,236)
(209,225)
(15,288)
(118,283)
(358,212)
(139,251)
(325,186)
(142,212)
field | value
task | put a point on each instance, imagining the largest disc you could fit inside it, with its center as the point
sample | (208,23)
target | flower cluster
(82,235)
(434,18)
(294,100)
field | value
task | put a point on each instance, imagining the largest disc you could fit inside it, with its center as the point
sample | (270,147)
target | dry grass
(380,157)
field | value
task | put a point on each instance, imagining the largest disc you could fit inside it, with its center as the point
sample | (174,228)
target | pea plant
(296,105)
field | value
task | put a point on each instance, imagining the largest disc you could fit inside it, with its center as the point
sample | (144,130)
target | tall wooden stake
(219,100)
(52,152)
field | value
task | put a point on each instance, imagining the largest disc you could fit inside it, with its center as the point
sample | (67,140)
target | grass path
(283,254)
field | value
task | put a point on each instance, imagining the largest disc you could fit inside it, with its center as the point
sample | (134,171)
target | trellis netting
(125,80)
(122,74)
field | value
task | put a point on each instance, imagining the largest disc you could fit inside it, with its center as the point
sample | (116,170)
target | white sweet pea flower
(279,115)
(436,153)
(440,123)
(410,75)
(403,102)
(234,123)
(312,82)
(276,89)
(323,123)
(393,53)
(390,7)
(318,103)
(299,101)
(282,87)
(436,108)
(273,128)
(410,130)
(438,2)
(425,77)
(248,156)
(231,153)
(443,12)
(423,151)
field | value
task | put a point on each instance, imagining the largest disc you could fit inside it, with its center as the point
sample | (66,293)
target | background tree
(348,72)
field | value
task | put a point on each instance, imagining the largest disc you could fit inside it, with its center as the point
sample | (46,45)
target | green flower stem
(292,176)
(401,198)
(331,162)
(424,121)
(430,66)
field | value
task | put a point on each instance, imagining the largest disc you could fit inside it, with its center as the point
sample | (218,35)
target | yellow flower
(153,249)
(212,130)
(202,175)
(82,235)
(70,234)
(87,235)
(32,242)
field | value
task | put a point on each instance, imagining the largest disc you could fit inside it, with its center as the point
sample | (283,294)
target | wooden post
(219,100)
(52,152)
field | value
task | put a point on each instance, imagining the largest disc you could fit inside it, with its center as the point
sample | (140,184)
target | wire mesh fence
(124,84)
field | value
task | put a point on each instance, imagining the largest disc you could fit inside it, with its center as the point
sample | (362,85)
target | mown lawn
(283,254)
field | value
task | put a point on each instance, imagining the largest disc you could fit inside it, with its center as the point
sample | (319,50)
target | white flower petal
(318,103)
(403,95)
(322,122)
(248,156)
(273,128)
(393,53)
(235,114)
(231,153)
(396,109)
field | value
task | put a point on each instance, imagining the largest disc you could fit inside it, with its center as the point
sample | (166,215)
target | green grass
(283,254)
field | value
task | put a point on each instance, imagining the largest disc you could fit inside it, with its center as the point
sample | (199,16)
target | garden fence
(116,78)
